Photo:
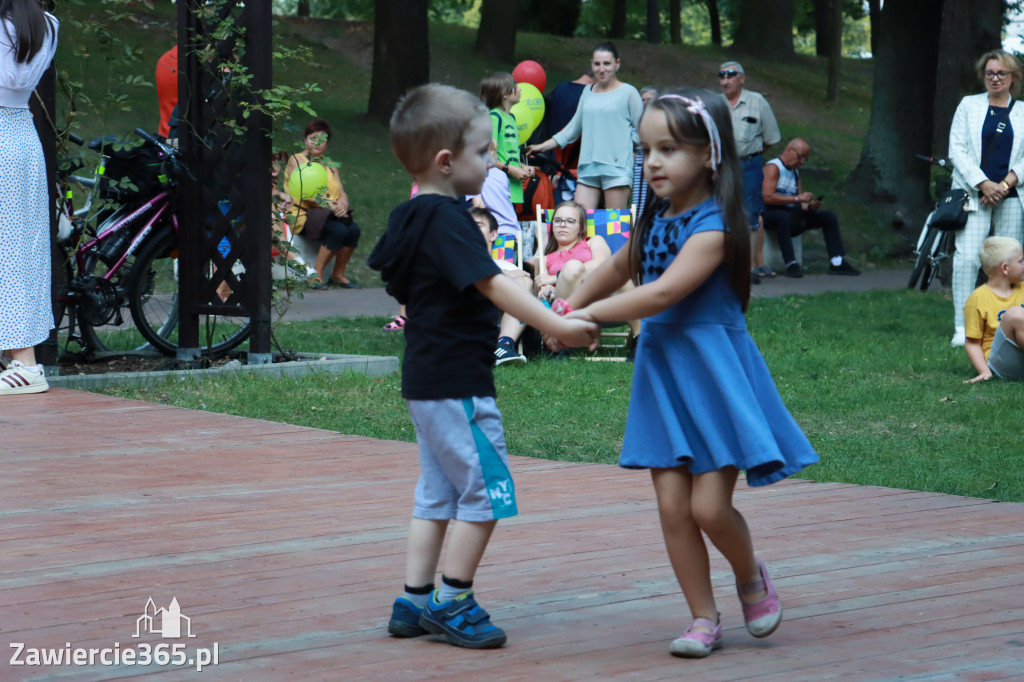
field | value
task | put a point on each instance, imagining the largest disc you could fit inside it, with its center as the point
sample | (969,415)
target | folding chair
(504,248)
(613,225)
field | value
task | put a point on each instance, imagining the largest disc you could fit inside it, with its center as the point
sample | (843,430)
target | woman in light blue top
(605,121)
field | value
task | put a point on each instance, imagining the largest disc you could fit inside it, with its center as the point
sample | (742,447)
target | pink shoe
(698,644)
(764,616)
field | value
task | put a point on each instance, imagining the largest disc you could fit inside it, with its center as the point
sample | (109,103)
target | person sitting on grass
(511,328)
(994,313)
(435,261)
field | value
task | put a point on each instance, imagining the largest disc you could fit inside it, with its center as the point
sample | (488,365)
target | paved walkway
(375,301)
(284,546)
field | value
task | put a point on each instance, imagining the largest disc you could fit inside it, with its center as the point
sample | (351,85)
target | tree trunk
(716,22)
(302,10)
(901,112)
(970,28)
(835,58)
(617,28)
(653,22)
(401,53)
(874,8)
(675,28)
(823,26)
(496,37)
(557,17)
(765,27)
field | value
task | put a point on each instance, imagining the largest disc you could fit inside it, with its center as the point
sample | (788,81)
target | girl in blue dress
(704,406)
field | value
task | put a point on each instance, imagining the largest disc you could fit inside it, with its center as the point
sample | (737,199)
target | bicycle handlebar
(941,163)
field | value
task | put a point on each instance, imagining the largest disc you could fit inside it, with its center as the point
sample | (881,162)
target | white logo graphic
(169,621)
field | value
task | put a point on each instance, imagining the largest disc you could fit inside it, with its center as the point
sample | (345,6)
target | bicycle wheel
(103,316)
(924,256)
(153,301)
(944,267)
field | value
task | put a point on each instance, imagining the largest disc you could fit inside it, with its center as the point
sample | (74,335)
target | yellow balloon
(528,111)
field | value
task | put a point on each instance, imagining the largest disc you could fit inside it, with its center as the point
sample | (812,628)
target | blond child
(994,313)
(435,261)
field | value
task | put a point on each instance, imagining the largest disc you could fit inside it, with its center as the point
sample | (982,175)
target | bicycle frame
(161,203)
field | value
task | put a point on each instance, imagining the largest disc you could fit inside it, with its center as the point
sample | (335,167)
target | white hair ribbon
(696,107)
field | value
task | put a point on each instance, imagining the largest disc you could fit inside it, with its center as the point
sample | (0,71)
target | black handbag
(951,211)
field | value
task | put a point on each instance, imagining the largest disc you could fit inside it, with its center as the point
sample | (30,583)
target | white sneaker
(959,339)
(18,379)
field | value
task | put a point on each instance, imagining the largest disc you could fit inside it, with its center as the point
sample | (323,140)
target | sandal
(395,325)
(762,616)
(697,643)
(764,271)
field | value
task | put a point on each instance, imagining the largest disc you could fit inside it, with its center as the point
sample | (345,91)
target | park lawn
(869,376)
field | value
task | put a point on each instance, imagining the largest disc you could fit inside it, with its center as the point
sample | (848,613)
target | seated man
(789,211)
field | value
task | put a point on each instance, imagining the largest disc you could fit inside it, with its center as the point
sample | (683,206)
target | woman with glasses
(605,122)
(985,146)
(568,256)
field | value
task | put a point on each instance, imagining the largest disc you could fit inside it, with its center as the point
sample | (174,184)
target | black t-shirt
(431,256)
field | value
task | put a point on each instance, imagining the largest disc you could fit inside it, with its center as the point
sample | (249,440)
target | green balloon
(307,181)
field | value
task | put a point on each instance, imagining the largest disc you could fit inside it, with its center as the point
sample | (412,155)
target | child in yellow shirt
(994,313)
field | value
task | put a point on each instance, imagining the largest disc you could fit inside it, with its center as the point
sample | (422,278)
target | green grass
(869,376)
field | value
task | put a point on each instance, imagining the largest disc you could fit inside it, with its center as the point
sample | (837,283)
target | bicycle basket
(133,173)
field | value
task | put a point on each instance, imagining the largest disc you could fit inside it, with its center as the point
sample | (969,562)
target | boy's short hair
(317,125)
(495,86)
(486,214)
(997,250)
(430,118)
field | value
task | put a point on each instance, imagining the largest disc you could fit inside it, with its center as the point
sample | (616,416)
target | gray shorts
(605,176)
(464,472)
(1005,358)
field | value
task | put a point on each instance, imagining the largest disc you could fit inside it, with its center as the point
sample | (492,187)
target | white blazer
(965,146)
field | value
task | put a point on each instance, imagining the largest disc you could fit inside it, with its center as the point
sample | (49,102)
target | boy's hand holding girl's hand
(562,342)
(573,332)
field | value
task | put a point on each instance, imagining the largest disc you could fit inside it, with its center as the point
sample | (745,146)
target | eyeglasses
(996,75)
(564,221)
(731,73)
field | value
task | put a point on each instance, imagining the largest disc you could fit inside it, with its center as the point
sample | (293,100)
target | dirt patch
(71,365)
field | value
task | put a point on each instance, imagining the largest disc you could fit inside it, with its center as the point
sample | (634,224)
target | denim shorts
(464,472)
(605,176)
(1005,358)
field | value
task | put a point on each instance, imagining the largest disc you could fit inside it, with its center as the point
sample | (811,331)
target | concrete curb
(370,365)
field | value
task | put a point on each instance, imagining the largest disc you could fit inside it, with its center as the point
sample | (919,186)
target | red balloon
(530,72)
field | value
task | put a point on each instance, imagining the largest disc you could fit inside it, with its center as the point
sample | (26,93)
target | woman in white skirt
(28,41)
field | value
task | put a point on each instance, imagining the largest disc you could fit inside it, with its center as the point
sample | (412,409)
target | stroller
(551,184)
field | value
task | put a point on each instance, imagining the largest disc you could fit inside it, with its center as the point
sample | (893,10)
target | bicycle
(935,247)
(129,260)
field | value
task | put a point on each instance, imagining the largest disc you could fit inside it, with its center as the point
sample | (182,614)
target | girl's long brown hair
(726,187)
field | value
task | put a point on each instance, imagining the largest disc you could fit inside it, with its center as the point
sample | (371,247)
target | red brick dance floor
(283,547)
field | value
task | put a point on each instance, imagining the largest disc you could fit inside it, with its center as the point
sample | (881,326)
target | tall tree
(617,28)
(715,19)
(401,53)
(874,9)
(835,56)
(970,28)
(496,37)
(765,27)
(675,30)
(901,108)
(823,26)
(653,22)
(558,17)
(302,9)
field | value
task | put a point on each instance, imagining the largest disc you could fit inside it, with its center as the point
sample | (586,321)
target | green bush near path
(869,376)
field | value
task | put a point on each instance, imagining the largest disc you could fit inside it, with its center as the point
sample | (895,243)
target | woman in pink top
(569,256)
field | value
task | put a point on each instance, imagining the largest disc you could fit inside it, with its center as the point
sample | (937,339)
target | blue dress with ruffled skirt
(702,394)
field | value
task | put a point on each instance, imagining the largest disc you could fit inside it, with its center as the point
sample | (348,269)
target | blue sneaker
(462,621)
(405,619)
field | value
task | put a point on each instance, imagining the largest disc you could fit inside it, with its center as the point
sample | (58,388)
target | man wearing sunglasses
(755,129)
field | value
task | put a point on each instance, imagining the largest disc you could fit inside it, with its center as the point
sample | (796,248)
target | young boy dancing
(994,313)
(434,259)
